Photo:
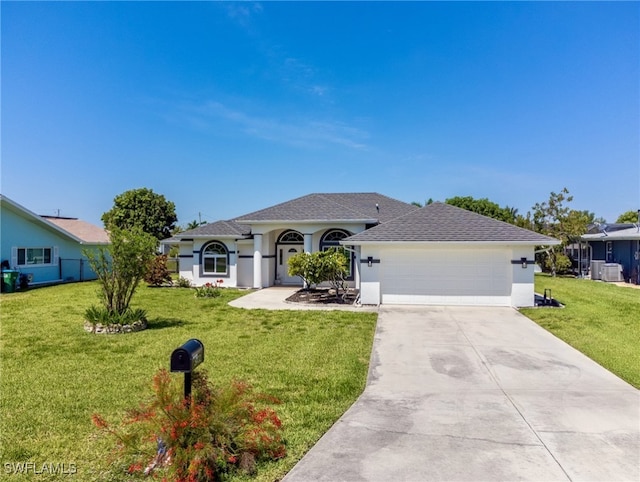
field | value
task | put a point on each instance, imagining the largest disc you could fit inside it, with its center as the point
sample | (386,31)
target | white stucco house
(400,253)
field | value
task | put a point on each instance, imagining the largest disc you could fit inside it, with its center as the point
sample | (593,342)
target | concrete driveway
(479,394)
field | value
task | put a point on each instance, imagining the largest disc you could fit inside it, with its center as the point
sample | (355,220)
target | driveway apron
(479,394)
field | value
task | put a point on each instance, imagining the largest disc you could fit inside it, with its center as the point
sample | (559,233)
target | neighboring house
(400,253)
(614,244)
(47,249)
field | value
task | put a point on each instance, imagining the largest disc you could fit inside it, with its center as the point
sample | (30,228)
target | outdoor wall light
(524,263)
(370,261)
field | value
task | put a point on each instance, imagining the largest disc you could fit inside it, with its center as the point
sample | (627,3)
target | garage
(446,276)
(444,255)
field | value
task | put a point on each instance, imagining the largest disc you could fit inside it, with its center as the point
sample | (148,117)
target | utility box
(612,272)
(596,269)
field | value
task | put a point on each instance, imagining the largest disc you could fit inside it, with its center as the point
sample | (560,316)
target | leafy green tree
(556,219)
(524,221)
(630,216)
(142,208)
(485,207)
(121,266)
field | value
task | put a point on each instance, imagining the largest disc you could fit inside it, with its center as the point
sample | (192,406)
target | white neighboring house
(47,249)
(438,254)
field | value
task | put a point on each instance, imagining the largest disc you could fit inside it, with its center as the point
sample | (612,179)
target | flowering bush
(216,431)
(209,290)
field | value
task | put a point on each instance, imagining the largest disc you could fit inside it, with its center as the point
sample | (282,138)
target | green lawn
(601,320)
(54,375)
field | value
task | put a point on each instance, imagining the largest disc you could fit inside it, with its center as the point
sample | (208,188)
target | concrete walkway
(479,394)
(274,299)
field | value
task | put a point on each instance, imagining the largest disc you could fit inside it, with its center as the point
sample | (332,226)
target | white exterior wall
(522,290)
(185,260)
(244,270)
(370,276)
(268,259)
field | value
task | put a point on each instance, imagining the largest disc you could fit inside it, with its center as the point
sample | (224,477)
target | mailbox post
(185,359)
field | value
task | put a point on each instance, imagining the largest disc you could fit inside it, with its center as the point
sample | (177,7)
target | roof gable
(34,218)
(362,207)
(439,222)
(217,229)
(88,233)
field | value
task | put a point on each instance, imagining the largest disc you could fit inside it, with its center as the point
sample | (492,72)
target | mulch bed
(323,297)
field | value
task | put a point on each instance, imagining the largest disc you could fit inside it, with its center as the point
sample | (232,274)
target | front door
(284,253)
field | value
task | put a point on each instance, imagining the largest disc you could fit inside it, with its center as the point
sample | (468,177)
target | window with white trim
(291,237)
(609,252)
(215,259)
(331,240)
(34,256)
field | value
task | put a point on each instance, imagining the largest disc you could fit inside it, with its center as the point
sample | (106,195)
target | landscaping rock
(100,329)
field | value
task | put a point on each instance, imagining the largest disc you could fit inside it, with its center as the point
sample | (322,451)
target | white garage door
(446,276)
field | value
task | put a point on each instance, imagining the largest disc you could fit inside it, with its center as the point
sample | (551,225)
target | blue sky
(226,108)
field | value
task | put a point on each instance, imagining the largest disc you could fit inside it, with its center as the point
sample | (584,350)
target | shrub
(314,268)
(308,266)
(158,272)
(209,290)
(183,282)
(216,431)
(100,315)
(335,264)
(556,262)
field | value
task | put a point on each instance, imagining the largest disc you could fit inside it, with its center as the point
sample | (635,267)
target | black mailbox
(187,357)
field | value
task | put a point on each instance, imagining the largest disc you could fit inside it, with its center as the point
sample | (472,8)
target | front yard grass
(54,375)
(601,320)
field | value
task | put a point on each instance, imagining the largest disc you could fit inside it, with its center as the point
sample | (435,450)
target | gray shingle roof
(219,229)
(333,207)
(439,222)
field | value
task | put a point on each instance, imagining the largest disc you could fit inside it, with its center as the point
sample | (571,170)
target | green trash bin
(10,279)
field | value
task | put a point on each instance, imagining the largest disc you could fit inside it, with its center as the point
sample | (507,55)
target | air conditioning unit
(612,272)
(596,269)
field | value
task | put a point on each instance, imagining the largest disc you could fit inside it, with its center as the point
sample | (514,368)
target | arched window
(331,240)
(215,259)
(291,237)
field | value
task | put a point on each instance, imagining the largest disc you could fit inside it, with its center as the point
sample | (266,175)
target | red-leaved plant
(217,431)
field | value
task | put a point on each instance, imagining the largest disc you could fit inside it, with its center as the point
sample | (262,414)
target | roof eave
(205,236)
(554,242)
(305,221)
(612,238)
